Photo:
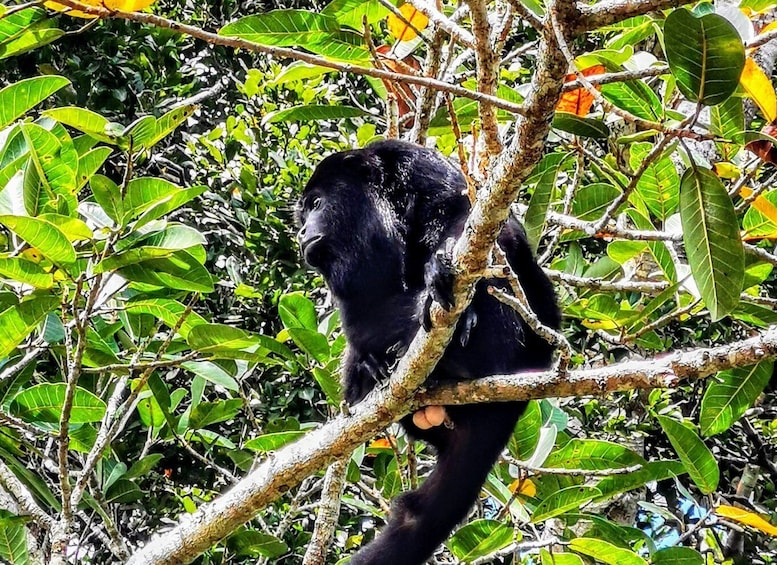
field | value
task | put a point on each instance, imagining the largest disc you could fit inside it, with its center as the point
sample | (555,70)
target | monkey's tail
(422,519)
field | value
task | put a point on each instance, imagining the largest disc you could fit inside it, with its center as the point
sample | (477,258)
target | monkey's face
(347,227)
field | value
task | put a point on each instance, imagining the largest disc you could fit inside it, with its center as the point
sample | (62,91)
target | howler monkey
(377,223)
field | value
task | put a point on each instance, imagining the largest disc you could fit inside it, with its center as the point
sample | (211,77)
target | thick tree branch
(610,12)
(661,372)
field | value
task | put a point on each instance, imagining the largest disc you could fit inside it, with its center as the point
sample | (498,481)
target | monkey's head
(347,226)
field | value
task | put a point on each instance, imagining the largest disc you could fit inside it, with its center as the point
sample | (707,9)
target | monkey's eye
(315,203)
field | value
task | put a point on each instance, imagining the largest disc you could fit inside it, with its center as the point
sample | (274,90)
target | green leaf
(697,458)
(13,25)
(212,373)
(207,413)
(19,321)
(27,272)
(55,165)
(730,394)
(44,403)
(150,198)
(168,311)
(479,538)
(140,468)
(712,241)
(526,435)
(557,558)
(727,119)
(282,28)
(351,12)
(256,544)
(36,35)
(73,228)
(636,97)
(297,311)
(311,342)
(677,556)
(329,383)
(273,441)
(18,98)
(584,127)
(89,163)
(564,500)
(83,120)
(659,185)
(312,112)
(107,194)
(547,170)
(593,199)
(344,45)
(593,455)
(168,122)
(652,471)
(220,338)
(13,539)
(175,269)
(705,54)
(605,552)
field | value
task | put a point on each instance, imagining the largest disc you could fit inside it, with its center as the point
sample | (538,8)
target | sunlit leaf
(282,28)
(17,98)
(759,87)
(606,552)
(400,30)
(44,402)
(121,5)
(479,538)
(579,100)
(43,235)
(747,518)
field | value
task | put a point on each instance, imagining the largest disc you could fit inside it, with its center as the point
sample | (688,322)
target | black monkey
(376,223)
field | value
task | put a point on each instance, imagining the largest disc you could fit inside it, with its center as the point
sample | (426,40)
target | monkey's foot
(430,416)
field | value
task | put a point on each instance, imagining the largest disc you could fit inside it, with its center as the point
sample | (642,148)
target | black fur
(377,224)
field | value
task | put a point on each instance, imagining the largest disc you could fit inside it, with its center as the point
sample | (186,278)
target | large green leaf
(13,539)
(26,30)
(27,272)
(168,311)
(84,120)
(17,98)
(712,241)
(545,173)
(705,54)
(282,28)
(697,458)
(43,235)
(594,455)
(313,112)
(18,321)
(659,184)
(220,338)
(273,441)
(479,538)
(652,471)
(564,500)
(636,97)
(44,403)
(351,12)
(256,544)
(605,552)
(677,556)
(729,394)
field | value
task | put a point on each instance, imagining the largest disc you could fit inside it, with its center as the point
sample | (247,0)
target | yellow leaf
(727,170)
(121,5)
(32,254)
(762,204)
(746,517)
(760,89)
(400,30)
(523,487)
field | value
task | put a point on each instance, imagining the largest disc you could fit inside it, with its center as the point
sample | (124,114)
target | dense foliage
(159,337)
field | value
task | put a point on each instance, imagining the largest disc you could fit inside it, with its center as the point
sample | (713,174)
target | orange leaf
(579,100)
(763,148)
(746,517)
(381,443)
(400,30)
(759,88)
(523,487)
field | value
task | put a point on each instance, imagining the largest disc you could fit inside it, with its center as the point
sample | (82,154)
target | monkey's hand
(439,277)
